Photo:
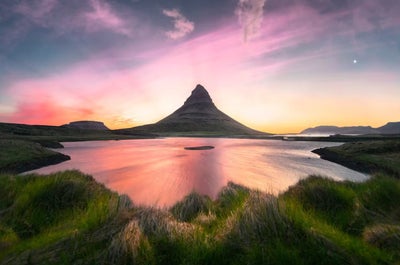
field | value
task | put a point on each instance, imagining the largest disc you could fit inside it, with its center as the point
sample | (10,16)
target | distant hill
(87,125)
(340,130)
(50,136)
(389,128)
(197,116)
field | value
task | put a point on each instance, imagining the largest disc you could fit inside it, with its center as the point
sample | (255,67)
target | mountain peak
(198,116)
(199,95)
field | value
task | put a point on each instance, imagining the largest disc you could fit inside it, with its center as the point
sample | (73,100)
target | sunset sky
(278,66)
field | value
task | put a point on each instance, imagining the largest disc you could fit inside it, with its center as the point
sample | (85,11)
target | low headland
(25,147)
(69,218)
(369,157)
(17,156)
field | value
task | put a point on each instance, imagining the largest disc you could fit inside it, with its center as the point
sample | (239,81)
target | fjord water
(159,172)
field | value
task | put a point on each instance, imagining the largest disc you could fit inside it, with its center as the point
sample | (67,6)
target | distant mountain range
(197,116)
(389,128)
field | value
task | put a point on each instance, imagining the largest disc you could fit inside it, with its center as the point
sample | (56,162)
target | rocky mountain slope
(198,115)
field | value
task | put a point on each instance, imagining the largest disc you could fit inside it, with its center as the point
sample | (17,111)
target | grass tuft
(130,246)
(334,202)
(383,236)
(260,220)
(231,198)
(40,210)
(191,206)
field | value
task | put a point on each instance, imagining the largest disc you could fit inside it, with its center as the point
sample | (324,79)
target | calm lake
(159,172)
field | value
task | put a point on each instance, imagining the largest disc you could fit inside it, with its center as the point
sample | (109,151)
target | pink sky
(294,73)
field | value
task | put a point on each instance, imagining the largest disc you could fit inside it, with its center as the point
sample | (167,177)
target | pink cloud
(182,26)
(63,16)
(369,15)
(36,10)
(102,16)
(47,111)
(250,15)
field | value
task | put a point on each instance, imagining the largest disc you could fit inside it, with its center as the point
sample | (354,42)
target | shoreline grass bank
(17,156)
(369,157)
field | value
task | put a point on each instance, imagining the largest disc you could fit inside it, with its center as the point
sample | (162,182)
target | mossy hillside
(40,210)
(18,155)
(369,156)
(48,136)
(350,207)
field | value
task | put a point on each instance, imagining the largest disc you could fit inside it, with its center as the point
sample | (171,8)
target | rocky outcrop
(87,125)
(202,147)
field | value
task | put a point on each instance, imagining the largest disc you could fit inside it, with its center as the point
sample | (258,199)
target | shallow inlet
(159,172)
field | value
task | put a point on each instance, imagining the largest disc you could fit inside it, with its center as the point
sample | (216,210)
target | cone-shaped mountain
(199,94)
(199,116)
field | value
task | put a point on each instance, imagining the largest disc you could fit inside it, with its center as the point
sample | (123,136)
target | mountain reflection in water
(159,172)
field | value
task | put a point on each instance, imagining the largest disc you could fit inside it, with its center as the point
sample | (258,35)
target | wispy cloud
(182,26)
(102,16)
(64,16)
(250,15)
(36,10)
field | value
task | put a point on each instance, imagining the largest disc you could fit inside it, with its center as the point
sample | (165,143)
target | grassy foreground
(68,218)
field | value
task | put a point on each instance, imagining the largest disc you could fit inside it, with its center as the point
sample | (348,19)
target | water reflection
(159,172)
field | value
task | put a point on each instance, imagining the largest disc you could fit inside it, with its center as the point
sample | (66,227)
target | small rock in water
(203,147)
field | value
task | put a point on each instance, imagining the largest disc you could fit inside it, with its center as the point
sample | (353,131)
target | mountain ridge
(388,128)
(198,115)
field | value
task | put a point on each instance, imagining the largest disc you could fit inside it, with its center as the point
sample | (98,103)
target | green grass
(39,210)
(370,156)
(19,155)
(72,219)
(22,147)
(14,151)
(68,218)
(44,134)
(258,229)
